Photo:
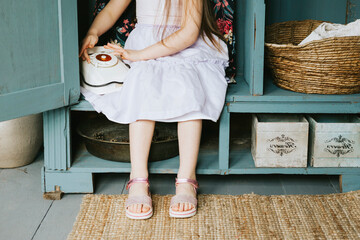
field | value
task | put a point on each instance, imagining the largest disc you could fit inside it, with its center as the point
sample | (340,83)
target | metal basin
(110,141)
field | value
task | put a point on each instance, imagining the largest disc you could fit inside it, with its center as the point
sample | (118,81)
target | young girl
(177,74)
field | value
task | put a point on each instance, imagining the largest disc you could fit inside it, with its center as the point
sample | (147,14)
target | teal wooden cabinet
(72,170)
(40,72)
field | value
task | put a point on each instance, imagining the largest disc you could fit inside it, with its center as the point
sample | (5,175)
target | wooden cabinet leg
(57,139)
(58,182)
(349,182)
(54,195)
(224,141)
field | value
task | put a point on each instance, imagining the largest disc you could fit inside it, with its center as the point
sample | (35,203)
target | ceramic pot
(20,140)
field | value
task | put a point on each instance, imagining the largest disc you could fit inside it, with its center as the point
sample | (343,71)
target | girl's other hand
(131,55)
(89,42)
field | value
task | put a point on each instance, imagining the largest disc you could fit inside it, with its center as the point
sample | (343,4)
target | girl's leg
(141,133)
(189,134)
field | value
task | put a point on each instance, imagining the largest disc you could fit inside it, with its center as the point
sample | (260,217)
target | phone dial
(105,73)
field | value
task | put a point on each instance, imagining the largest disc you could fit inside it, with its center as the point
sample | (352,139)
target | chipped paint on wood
(352,10)
(254,31)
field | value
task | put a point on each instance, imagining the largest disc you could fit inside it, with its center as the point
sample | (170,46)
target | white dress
(188,85)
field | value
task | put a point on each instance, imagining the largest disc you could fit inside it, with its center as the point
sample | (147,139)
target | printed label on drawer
(281,145)
(339,146)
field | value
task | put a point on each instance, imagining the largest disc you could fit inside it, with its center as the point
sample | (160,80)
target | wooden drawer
(279,140)
(334,140)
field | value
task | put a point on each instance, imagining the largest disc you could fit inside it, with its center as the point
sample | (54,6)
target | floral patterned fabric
(224,15)
(122,28)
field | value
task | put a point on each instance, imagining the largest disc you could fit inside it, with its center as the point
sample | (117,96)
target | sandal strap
(137,180)
(143,199)
(193,182)
(180,198)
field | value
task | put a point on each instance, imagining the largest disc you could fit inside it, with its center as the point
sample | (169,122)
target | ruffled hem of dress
(173,116)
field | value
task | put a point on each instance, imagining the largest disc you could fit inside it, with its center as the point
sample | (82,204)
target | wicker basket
(329,66)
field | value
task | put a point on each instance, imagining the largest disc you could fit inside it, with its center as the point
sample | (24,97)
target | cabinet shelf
(83,161)
(241,162)
(278,100)
(272,93)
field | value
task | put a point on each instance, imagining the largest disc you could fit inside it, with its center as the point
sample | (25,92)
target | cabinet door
(250,36)
(39,66)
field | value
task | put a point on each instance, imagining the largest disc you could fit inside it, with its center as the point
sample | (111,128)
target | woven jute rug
(250,216)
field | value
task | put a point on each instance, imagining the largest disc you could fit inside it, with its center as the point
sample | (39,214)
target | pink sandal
(146,200)
(181,198)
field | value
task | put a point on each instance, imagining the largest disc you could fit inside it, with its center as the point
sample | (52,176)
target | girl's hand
(131,55)
(89,42)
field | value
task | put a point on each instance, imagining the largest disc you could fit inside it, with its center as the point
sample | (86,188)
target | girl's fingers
(88,43)
(121,54)
(86,55)
(114,46)
(117,50)
(85,45)
(81,51)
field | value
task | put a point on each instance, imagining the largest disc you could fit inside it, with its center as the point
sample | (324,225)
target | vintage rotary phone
(105,73)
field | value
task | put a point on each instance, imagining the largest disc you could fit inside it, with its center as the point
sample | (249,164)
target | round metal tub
(110,141)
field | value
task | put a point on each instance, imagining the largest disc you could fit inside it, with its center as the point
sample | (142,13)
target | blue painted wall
(337,11)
